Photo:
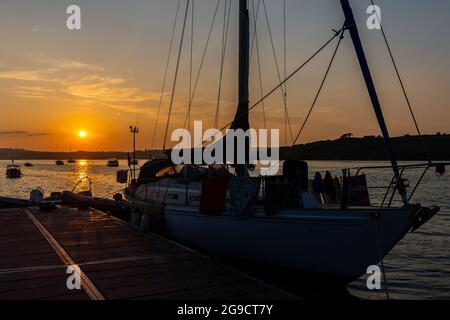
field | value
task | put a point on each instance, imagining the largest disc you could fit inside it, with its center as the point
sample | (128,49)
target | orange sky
(55,82)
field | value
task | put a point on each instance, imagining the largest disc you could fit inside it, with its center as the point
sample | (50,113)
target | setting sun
(82,134)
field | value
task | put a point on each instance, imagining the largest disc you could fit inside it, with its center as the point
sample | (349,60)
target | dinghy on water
(59,162)
(280,220)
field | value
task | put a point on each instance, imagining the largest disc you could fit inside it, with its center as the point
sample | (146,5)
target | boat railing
(79,182)
(398,181)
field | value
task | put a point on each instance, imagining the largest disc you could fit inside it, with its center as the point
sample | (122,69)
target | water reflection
(84,183)
(82,163)
(54,178)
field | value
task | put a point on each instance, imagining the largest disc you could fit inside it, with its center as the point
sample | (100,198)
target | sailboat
(72,161)
(340,240)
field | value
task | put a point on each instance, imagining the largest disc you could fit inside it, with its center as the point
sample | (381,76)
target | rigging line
(165,74)
(191,66)
(226,23)
(341,37)
(278,70)
(336,34)
(259,70)
(321,87)
(397,72)
(255,18)
(202,60)
(408,101)
(176,75)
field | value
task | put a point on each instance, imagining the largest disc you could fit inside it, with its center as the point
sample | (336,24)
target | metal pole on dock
(134,131)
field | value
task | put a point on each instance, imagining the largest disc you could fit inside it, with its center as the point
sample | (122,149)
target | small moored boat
(113,163)
(13,171)
(59,162)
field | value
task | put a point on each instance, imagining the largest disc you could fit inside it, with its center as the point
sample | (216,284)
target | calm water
(47,175)
(417,268)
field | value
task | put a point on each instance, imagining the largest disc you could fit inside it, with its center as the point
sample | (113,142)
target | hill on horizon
(435,147)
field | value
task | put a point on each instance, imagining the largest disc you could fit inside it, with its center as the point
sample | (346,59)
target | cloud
(81,81)
(76,65)
(23,133)
(37,92)
(23,75)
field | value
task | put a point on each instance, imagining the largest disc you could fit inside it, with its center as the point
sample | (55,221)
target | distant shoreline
(408,148)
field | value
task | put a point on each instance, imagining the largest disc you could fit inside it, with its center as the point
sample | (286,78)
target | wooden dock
(115,261)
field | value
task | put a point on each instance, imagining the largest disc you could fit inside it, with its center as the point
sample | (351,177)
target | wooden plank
(29,261)
(120,261)
(40,291)
(86,283)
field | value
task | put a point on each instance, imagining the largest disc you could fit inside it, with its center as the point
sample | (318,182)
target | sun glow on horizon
(82,134)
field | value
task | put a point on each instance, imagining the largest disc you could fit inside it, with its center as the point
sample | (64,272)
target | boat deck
(116,261)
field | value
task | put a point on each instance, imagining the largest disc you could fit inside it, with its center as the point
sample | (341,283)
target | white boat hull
(342,243)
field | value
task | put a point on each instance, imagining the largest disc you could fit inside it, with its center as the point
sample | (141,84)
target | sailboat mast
(353,29)
(241,119)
